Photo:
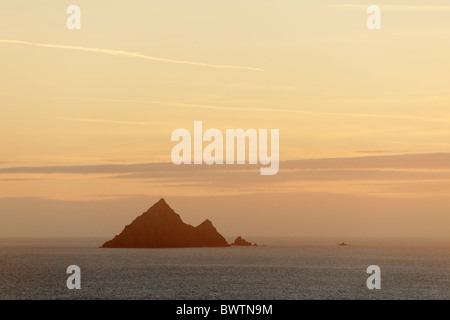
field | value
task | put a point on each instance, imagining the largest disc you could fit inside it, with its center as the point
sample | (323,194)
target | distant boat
(343,244)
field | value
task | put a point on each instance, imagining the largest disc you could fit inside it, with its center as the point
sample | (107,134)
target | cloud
(17,180)
(433,161)
(252,87)
(259,109)
(360,176)
(126,54)
(393,7)
(106,121)
(373,151)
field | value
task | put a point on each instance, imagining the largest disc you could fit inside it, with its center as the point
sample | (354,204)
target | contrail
(276,110)
(104,121)
(126,54)
(391,7)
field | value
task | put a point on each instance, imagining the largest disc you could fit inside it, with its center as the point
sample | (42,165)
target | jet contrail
(391,7)
(126,54)
(263,109)
(104,121)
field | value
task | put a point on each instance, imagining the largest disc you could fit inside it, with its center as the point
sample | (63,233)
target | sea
(276,269)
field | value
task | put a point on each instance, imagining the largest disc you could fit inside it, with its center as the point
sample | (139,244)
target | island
(239,241)
(161,227)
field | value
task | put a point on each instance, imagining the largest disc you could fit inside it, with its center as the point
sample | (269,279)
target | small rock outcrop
(239,241)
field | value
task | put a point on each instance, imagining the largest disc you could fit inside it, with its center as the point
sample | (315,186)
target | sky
(86,115)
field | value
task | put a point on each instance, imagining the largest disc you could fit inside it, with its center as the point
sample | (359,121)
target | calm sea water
(283,269)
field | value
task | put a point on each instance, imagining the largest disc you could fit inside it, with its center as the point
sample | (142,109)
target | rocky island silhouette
(241,242)
(161,227)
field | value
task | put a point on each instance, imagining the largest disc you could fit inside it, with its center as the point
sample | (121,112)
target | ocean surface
(285,268)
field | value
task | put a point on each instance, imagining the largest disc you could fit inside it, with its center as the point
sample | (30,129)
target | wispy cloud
(105,121)
(420,175)
(259,109)
(373,151)
(252,87)
(429,161)
(127,54)
(394,7)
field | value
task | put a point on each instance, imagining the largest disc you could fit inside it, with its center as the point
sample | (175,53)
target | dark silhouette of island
(161,227)
(239,241)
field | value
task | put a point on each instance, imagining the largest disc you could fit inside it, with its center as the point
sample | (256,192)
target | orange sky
(82,110)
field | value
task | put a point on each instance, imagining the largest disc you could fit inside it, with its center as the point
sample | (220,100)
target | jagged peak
(160,204)
(206,223)
(162,201)
(159,209)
